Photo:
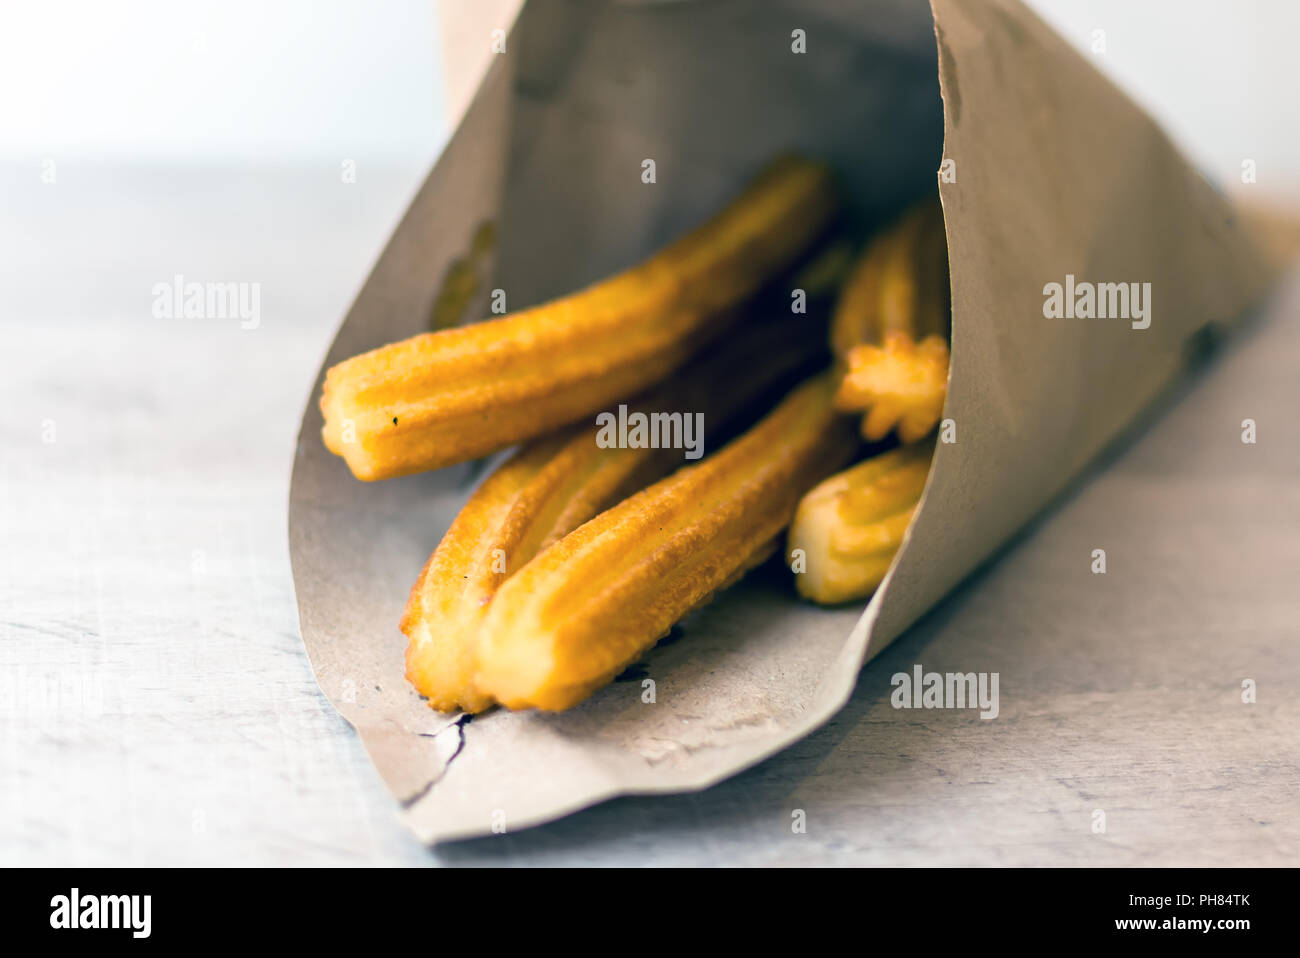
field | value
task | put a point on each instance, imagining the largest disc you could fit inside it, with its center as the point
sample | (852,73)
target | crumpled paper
(1048,172)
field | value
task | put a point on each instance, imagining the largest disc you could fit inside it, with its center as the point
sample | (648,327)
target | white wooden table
(156,706)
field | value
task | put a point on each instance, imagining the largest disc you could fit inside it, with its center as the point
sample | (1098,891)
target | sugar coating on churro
(595,601)
(554,484)
(846,530)
(456,394)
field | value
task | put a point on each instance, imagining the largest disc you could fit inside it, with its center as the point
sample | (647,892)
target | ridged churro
(890,328)
(593,602)
(554,484)
(901,385)
(846,530)
(445,397)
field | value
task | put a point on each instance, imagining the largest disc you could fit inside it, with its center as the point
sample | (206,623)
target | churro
(554,484)
(901,386)
(445,397)
(592,603)
(890,326)
(846,530)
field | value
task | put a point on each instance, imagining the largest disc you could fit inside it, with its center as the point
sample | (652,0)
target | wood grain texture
(156,706)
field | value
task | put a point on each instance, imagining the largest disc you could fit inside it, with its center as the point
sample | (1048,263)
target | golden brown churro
(554,484)
(901,385)
(846,530)
(456,394)
(890,326)
(593,602)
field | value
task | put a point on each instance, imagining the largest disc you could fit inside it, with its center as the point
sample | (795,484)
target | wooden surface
(156,706)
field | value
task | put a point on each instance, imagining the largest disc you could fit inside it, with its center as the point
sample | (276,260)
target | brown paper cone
(1056,174)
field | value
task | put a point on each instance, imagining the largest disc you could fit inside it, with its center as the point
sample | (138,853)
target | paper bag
(1048,175)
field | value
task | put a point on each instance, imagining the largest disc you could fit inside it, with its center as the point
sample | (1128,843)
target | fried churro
(846,530)
(593,602)
(890,326)
(554,484)
(445,397)
(901,386)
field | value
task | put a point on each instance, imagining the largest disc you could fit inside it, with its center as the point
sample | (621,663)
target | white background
(290,81)
(220,80)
